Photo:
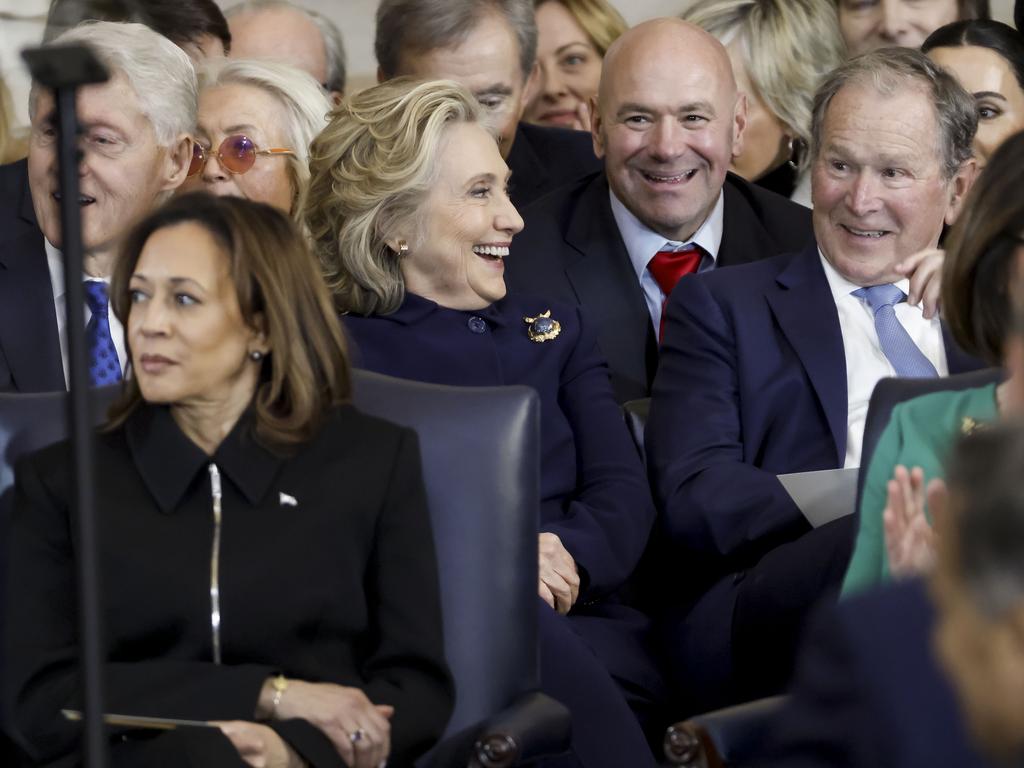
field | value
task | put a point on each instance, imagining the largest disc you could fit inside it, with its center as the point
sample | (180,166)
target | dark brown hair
(980,248)
(181,21)
(280,290)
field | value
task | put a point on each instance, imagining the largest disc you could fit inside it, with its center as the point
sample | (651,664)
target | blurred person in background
(196,26)
(490,48)
(780,51)
(572,38)
(136,146)
(409,210)
(267,559)
(870,24)
(256,121)
(987,57)
(282,31)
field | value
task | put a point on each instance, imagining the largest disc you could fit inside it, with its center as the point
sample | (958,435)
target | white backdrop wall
(21,24)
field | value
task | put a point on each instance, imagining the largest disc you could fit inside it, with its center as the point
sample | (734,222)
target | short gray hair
(983,476)
(334,45)
(405,26)
(888,69)
(304,106)
(159,73)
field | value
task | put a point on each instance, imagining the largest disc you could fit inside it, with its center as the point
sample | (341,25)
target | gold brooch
(542,327)
(969,426)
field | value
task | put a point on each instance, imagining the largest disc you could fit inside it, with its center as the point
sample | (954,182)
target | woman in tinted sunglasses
(256,120)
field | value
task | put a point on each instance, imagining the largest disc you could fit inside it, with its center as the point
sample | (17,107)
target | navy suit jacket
(30,356)
(751,384)
(543,159)
(571,250)
(594,494)
(869,692)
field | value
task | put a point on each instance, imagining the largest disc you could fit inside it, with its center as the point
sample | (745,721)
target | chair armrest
(534,726)
(720,738)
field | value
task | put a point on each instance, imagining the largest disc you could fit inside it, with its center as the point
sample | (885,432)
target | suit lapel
(744,238)
(528,172)
(28,323)
(806,313)
(602,274)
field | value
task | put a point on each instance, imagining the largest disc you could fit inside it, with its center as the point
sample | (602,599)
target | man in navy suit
(135,150)
(926,674)
(490,48)
(767,369)
(667,121)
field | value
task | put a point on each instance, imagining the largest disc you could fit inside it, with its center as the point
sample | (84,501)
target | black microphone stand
(64,69)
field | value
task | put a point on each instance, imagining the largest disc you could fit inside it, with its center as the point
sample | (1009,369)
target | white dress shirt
(865,361)
(55,261)
(642,244)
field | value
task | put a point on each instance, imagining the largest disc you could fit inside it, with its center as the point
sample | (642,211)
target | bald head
(667,122)
(668,47)
(282,34)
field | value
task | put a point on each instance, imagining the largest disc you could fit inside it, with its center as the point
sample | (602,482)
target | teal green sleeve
(869,563)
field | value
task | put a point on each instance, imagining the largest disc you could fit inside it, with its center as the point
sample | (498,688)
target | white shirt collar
(55,262)
(842,288)
(642,243)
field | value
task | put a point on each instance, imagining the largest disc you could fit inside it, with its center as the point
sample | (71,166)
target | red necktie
(667,267)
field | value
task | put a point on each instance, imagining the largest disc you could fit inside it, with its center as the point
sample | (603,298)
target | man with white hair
(288,33)
(135,149)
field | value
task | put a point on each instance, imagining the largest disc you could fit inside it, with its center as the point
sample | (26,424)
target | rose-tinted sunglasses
(236,154)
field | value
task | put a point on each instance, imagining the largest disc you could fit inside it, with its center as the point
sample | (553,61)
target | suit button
(477,324)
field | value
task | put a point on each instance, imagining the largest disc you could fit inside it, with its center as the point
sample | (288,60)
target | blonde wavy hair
(370,170)
(789,46)
(598,18)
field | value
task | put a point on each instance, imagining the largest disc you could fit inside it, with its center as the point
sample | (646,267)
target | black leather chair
(890,392)
(730,736)
(479,449)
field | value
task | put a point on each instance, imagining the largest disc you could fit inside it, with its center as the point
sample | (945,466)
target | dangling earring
(255,355)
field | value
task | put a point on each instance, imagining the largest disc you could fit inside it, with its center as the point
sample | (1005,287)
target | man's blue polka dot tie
(104,368)
(898,347)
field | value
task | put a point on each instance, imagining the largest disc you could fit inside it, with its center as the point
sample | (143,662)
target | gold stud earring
(403,248)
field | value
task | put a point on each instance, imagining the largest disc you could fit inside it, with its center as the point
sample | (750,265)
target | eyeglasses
(236,154)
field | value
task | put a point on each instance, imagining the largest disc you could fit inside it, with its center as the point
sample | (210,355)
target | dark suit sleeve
(407,669)
(607,522)
(41,675)
(830,719)
(716,502)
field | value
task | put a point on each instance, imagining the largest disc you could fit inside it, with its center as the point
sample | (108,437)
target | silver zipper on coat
(215,563)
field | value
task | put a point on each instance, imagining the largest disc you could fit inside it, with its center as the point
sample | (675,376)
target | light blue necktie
(898,347)
(104,368)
